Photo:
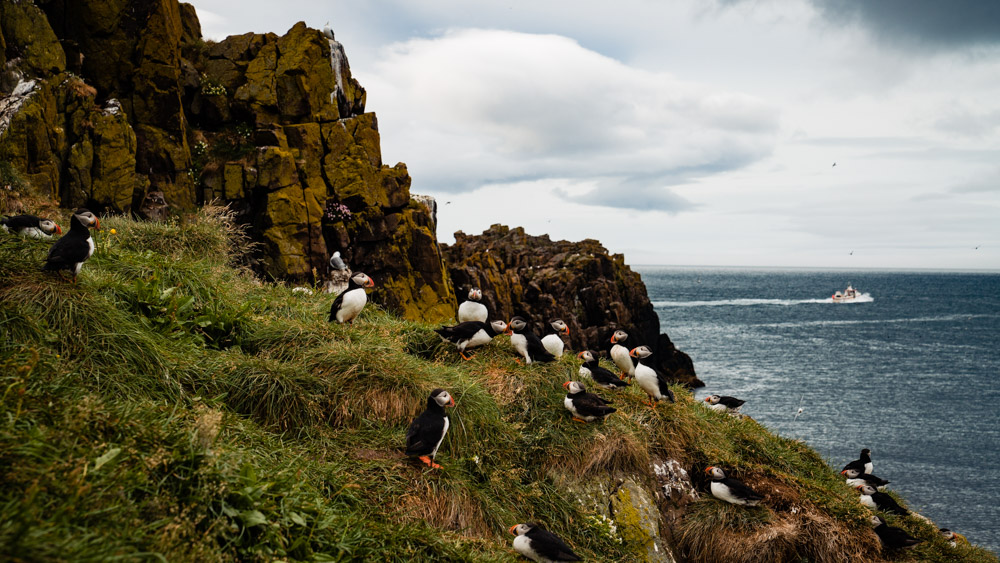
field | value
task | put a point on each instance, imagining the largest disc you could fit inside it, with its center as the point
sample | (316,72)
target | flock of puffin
(427,431)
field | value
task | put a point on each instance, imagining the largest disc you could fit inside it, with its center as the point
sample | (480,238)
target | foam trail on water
(861,298)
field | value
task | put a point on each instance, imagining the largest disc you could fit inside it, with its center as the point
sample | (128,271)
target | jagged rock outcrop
(595,292)
(122,107)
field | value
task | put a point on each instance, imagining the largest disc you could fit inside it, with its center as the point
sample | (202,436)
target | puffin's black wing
(885,502)
(731,402)
(67,252)
(18,223)
(424,433)
(549,546)
(664,386)
(873,480)
(536,350)
(337,304)
(604,376)
(589,404)
(461,331)
(895,538)
(856,464)
(740,490)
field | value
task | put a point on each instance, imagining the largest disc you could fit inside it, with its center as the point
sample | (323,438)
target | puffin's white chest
(619,355)
(522,545)
(584,371)
(717,407)
(480,338)
(34,232)
(472,311)
(350,307)
(868,501)
(520,343)
(856,482)
(568,403)
(553,344)
(645,376)
(721,491)
(869,467)
(444,431)
(90,243)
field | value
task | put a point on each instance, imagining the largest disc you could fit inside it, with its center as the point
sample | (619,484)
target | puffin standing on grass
(620,354)
(863,463)
(724,403)
(591,368)
(552,342)
(892,538)
(427,430)
(856,478)
(878,500)
(30,226)
(586,407)
(651,381)
(526,342)
(731,490)
(347,306)
(471,334)
(473,310)
(538,544)
(72,250)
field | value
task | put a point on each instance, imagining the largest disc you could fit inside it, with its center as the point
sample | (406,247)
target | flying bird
(72,250)
(538,544)
(427,431)
(347,306)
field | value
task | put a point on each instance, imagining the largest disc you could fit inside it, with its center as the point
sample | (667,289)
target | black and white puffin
(72,250)
(892,538)
(471,334)
(427,430)
(552,341)
(538,544)
(731,490)
(855,479)
(649,379)
(877,500)
(473,310)
(526,342)
(586,407)
(863,463)
(591,368)
(953,538)
(30,226)
(724,403)
(620,354)
(347,306)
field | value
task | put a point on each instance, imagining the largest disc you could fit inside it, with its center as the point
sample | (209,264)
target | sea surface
(909,370)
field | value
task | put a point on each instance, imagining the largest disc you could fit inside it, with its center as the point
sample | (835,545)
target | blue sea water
(909,370)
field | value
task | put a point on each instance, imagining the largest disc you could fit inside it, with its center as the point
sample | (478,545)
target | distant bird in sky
(336,262)
(797,413)
(976,248)
(447,203)
(852,253)
(834,164)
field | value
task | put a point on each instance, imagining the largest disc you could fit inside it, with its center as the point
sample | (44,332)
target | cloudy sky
(813,133)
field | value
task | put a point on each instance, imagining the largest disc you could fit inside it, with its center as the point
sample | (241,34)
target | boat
(849,294)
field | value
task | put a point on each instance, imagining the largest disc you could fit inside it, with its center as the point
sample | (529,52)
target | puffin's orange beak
(844,472)
(708,399)
(451,402)
(580,355)
(566,331)
(709,469)
(632,352)
(511,529)
(566,384)
(370,283)
(613,339)
(859,487)
(97,223)
(58,229)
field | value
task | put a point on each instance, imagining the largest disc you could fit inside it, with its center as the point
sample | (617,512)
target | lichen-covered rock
(593,291)
(25,31)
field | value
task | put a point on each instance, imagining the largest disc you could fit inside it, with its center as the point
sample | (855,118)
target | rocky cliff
(595,292)
(121,106)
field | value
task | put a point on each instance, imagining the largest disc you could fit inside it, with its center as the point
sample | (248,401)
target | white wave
(862,298)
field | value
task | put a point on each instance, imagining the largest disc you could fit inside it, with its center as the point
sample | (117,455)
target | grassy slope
(170,406)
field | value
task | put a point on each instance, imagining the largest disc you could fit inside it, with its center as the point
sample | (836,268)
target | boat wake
(861,298)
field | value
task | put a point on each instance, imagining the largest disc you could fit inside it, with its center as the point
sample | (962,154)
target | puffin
(863,463)
(527,342)
(601,376)
(856,478)
(471,334)
(724,403)
(552,342)
(586,407)
(877,500)
(651,381)
(347,306)
(892,538)
(72,250)
(620,354)
(427,430)
(953,538)
(731,490)
(30,226)
(473,310)
(538,544)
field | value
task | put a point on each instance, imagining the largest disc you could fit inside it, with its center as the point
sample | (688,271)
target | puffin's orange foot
(518,360)
(430,463)
(579,420)
(464,357)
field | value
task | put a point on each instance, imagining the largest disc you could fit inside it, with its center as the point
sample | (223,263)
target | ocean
(908,370)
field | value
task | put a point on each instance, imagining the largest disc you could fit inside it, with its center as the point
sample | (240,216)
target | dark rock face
(594,292)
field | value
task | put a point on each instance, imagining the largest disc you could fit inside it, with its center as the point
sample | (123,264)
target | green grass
(169,406)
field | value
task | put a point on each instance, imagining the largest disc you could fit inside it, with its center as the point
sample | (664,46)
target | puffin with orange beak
(538,544)
(72,250)
(731,490)
(591,368)
(586,407)
(30,226)
(427,431)
(552,342)
(620,354)
(651,381)
(347,306)
(526,343)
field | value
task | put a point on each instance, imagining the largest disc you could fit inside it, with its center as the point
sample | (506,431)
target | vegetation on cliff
(171,406)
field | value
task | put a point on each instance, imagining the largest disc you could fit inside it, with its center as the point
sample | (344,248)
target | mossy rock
(27,32)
